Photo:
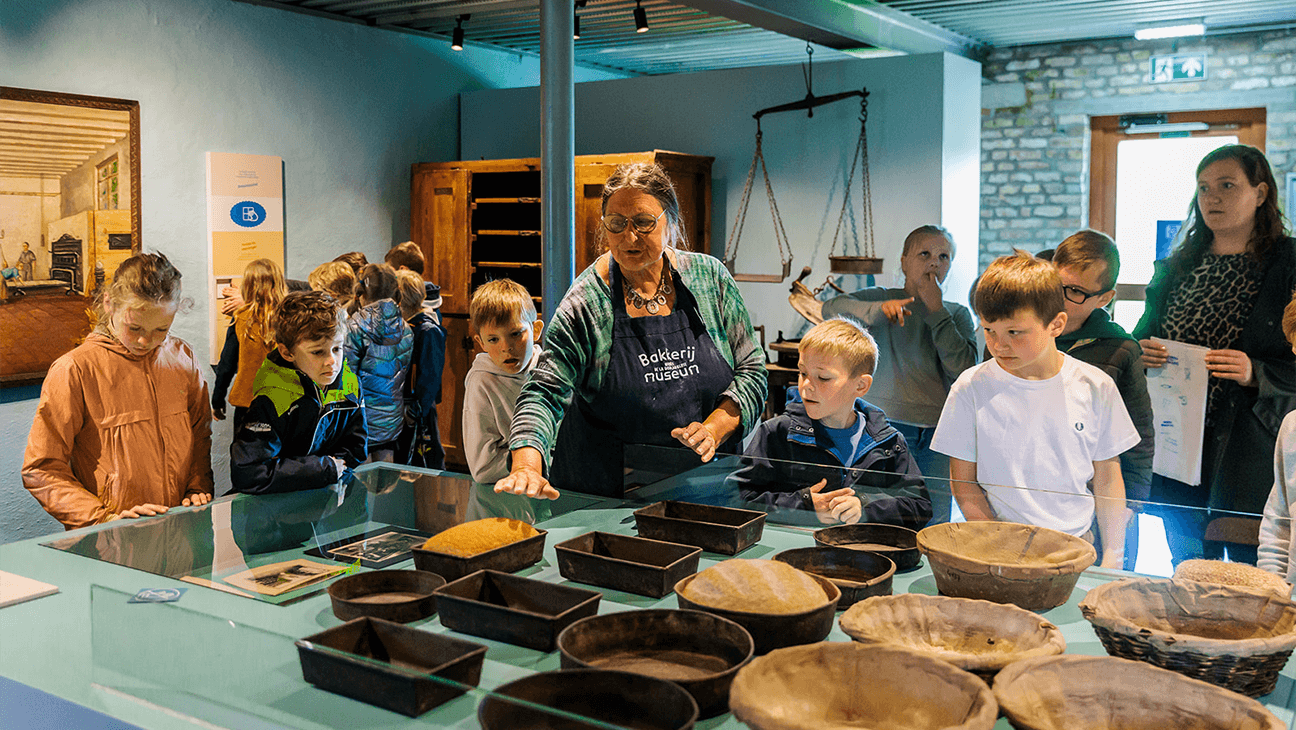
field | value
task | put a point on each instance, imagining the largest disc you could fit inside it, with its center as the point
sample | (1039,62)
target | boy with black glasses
(1088,263)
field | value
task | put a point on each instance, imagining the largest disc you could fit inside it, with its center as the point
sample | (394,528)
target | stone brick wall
(1035,157)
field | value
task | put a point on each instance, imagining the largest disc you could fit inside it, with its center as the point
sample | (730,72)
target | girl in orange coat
(123,427)
(249,339)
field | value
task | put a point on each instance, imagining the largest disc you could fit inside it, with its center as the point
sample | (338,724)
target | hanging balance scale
(804,300)
(868,263)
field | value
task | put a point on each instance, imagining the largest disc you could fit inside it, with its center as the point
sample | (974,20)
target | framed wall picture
(70,206)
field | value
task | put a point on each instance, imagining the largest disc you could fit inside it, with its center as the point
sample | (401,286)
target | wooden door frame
(1105,133)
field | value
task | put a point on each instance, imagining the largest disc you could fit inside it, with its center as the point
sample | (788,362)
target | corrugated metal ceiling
(1003,23)
(683,38)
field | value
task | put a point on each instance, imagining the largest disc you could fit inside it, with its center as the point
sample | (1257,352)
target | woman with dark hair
(651,345)
(1224,287)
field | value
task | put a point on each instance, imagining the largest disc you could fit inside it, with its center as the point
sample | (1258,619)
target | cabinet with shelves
(478,220)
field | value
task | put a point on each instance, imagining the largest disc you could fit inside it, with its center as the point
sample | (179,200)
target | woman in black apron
(650,346)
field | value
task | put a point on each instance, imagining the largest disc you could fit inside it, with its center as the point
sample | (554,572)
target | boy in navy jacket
(306,425)
(799,460)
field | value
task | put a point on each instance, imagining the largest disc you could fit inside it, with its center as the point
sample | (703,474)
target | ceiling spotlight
(1171,31)
(641,18)
(457,38)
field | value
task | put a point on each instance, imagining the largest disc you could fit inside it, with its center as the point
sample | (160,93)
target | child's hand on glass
(141,510)
(840,505)
(197,499)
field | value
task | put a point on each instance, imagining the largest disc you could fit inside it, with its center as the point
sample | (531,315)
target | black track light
(641,18)
(457,38)
(575,27)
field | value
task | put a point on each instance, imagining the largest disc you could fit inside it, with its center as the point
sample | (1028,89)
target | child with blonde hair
(123,426)
(249,338)
(503,321)
(831,452)
(379,346)
(336,278)
(421,439)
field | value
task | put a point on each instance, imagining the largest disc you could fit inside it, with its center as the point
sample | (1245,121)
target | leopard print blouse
(1211,305)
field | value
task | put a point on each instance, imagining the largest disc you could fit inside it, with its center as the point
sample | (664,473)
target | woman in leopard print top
(1224,288)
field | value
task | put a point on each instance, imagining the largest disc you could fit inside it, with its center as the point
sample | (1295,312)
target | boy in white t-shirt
(1027,430)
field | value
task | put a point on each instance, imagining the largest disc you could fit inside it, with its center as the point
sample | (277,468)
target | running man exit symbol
(1178,67)
(248,214)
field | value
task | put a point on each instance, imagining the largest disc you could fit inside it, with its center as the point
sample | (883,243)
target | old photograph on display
(280,578)
(378,548)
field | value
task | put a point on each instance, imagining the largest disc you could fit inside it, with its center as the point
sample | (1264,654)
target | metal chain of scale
(866,197)
(652,304)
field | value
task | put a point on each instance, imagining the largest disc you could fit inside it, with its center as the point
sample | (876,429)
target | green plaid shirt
(578,348)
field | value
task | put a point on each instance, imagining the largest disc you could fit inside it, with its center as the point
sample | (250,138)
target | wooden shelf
(479,201)
(507,264)
(496,232)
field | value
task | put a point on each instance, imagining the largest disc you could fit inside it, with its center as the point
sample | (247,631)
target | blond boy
(1027,430)
(831,451)
(503,321)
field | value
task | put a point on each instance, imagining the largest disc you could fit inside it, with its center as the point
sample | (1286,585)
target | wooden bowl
(699,651)
(1005,562)
(845,684)
(775,630)
(978,636)
(393,595)
(1097,693)
(619,699)
(900,544)
(858,574)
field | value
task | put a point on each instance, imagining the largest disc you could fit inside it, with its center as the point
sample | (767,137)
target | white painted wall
(348,107)
(924,148)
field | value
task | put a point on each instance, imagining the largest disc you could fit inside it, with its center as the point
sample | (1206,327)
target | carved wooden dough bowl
(977,636)
(1005,562)
(1104,693)
(832,685)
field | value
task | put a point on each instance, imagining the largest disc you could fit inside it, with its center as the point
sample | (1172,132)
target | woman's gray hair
(649,178)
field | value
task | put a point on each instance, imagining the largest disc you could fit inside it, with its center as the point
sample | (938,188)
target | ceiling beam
(844,25)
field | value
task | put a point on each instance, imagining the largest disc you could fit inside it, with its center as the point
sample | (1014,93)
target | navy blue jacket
(885,476)
(288,436)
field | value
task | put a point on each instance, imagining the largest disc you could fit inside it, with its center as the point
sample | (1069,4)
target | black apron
(663,373)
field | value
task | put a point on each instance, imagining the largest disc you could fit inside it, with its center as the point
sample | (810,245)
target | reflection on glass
(238,543)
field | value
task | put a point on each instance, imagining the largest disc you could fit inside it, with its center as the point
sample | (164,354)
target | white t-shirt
(1043,435)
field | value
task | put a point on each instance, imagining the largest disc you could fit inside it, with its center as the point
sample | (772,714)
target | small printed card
(158,595)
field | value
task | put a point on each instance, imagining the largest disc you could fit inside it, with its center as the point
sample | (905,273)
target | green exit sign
(1177,67)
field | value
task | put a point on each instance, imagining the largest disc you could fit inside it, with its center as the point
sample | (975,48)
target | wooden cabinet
(479,220)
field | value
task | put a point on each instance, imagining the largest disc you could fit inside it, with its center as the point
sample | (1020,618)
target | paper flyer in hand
(1178,392)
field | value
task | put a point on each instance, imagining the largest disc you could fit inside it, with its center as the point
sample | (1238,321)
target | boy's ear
(536,327)
(478,342)
(284,352)
(1105,299)
(1058,324)
(863,384)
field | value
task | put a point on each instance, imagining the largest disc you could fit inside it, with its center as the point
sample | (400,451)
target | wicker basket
(977,636)
(834,684)
(1005,562)
(1236,638)
(1091,692)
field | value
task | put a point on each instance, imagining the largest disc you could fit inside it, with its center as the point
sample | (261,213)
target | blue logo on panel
(248,214)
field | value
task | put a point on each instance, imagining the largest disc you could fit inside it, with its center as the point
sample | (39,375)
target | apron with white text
(663,373)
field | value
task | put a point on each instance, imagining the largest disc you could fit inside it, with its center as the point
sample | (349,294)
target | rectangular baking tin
(631,564)
(723,530)
(512,609)
(506,559)
(387,664)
